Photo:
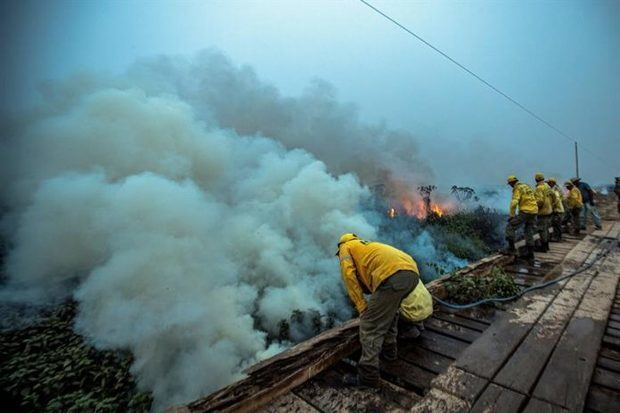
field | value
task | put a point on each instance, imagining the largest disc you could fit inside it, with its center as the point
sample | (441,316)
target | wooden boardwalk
(555,349)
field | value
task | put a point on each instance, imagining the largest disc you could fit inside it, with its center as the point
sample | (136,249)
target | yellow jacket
(523,197)
(544,198)
(574,198)
(365,265)
(558,207)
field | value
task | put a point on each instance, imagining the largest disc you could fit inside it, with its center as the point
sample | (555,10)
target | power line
(483,81)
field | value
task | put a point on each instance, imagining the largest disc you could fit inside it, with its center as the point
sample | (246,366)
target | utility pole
(576,160)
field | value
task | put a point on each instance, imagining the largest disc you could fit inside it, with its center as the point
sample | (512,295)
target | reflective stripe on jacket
(523,198)
(365,265)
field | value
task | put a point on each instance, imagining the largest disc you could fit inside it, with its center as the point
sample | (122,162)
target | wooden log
(289,403)
(267,381)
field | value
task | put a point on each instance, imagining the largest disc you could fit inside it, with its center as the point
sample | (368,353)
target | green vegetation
(49,368)
(463,289)
(470,235)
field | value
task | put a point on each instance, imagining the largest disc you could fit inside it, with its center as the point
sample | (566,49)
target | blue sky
(560,58)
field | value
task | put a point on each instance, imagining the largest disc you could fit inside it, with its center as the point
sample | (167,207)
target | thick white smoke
(183,242)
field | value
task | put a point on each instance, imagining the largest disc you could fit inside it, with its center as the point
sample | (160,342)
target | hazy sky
(560,58)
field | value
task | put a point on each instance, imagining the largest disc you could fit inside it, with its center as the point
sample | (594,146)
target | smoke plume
(189,208)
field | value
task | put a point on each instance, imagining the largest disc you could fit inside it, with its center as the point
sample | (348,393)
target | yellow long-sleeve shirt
(544,198)
(574,199)
(523,198)
(365,265)
(558,206)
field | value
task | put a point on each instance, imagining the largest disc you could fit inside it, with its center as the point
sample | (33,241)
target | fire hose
(610,247)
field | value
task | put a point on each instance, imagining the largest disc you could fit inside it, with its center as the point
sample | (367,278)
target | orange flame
(437,210)
(417,208)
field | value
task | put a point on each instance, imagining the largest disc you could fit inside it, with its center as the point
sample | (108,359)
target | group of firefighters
(391,276)
(547,206)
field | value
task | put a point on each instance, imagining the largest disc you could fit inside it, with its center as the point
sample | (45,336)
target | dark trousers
(542,225)
(379,323)
(574,213)
(556,222)
(529,224)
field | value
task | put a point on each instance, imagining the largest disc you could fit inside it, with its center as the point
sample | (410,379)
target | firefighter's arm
(516,195)
(349,277)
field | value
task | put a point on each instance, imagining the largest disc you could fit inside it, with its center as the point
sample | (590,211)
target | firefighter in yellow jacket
(574,203)
(524,200)
(389,275)
(544,199)
(558,209)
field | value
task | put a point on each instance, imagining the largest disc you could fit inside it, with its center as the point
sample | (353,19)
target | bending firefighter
(558,209)
(524,200)
(389,275)
(544,200)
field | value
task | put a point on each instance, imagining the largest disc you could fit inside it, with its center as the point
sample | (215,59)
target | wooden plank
(613,324)
(539,406)
(407,375)
(288,403)
(496,399)
(524,366)
(614,332)
(613,342)
(388,391)
(451,329)
(606,378)
(567,376)
(327,393)
(422,357)
(462,321)
(610,353)
(609,364)
(438,401)
(486,315)
(601,399)
(460,383)
(486,355)
(441,344)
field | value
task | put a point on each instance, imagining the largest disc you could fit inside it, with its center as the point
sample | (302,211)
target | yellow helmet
(539,177)
(512,178)
(552,179)
(568,184)
(345,238)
